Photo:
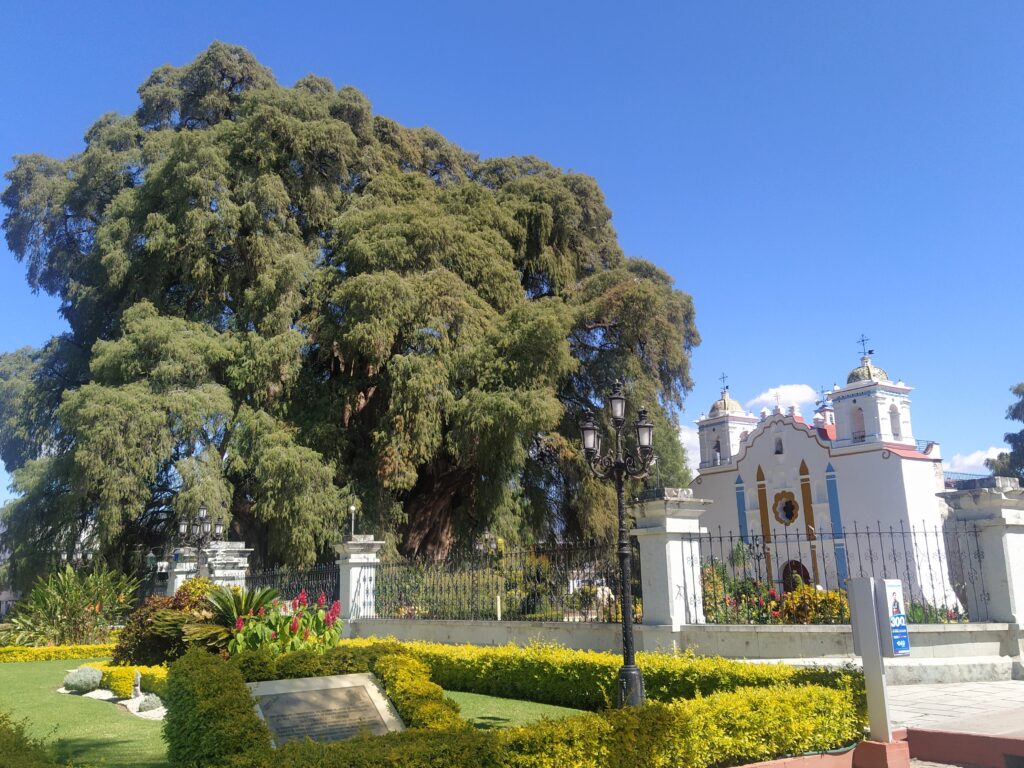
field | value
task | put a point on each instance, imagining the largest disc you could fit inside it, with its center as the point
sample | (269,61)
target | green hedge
(211,722)
(420,703)
(724,729)
(551,674)
(210,713)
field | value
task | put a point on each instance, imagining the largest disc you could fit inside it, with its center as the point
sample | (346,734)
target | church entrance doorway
(794,574)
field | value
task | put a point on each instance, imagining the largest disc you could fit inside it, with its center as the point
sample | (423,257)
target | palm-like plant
(224,606)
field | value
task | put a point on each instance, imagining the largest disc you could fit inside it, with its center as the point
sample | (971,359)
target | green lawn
(491,712)
(89,732)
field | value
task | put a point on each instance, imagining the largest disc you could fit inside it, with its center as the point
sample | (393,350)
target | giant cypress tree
(279,302)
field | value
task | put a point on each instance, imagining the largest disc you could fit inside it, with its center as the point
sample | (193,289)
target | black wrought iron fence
(755,579)
(576,582)
(289,582)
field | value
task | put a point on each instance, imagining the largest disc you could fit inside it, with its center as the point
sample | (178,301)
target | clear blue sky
(808,171)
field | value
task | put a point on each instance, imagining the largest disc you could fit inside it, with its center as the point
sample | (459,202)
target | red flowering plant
(290,625)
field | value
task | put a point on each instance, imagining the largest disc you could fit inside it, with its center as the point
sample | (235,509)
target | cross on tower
(863,341)
(824,395)
(723,378)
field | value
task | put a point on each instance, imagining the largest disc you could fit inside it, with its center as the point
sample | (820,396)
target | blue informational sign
(889,599)
(900,636)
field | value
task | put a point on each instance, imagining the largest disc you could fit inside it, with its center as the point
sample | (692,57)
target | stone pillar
(995,505)
(227,562)
(184,565)
(357,564)
(668,531)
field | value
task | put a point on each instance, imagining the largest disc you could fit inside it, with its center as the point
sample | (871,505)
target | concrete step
(911,671)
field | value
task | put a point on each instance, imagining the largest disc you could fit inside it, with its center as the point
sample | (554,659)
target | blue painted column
(741,509)
(838,537)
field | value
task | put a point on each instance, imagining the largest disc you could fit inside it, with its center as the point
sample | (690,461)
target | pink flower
(330,619)
(295,604)
(295,625)
(303,599)
(239,624)
(305,635)
(273,635)
(321,600)
(262,612)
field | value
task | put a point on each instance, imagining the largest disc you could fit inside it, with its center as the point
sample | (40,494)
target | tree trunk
(430,530)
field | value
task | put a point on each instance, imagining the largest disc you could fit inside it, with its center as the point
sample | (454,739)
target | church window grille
(858,425)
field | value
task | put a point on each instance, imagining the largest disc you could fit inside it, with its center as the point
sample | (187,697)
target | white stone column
(228,562)
(995,505)
(668,531)
(184,565)
(357,563)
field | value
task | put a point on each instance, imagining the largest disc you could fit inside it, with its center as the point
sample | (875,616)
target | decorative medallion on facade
(785,507)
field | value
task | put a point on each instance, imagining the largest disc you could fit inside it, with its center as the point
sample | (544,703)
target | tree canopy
(1011,463)
(280,303)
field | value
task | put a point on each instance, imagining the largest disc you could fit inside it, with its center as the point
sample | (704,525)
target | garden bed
(758,712)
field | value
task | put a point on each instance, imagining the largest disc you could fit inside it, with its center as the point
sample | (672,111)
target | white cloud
(688,436)
(973,462)
(801,394)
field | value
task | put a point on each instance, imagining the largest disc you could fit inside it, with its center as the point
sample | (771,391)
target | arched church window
(894,421)
(794,575)
(778,446)
(858,425)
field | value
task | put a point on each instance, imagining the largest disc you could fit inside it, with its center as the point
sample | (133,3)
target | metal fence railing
(745,580)
(573,582)
(322,578)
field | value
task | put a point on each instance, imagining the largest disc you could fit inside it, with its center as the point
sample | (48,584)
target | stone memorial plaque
(325,708)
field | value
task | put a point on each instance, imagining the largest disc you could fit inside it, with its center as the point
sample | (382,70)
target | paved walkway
(993,709)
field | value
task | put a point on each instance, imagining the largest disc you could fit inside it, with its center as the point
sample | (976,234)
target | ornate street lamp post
(617,466)
(198,532)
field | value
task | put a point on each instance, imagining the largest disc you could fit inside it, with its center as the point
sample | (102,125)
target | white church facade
(850,492)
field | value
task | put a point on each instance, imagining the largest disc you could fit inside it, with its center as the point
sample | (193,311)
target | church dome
(866,372)
(725,404)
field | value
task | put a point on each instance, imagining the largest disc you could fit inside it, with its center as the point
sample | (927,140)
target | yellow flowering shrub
(121,680)
(550,674)
(16,653)
(809,605)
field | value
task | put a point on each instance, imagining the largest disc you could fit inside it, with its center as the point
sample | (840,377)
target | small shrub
(18,749)
(17,653)
(210,713)
(808,605)
(149,637)
(192,594)
(149,702)
(83,679)
(306,663)
(256,666)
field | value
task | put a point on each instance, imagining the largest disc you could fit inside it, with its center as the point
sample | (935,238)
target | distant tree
(280,303)
(1011,463)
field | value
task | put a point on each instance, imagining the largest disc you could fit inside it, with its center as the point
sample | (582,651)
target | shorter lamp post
(198,532)
(617,465)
